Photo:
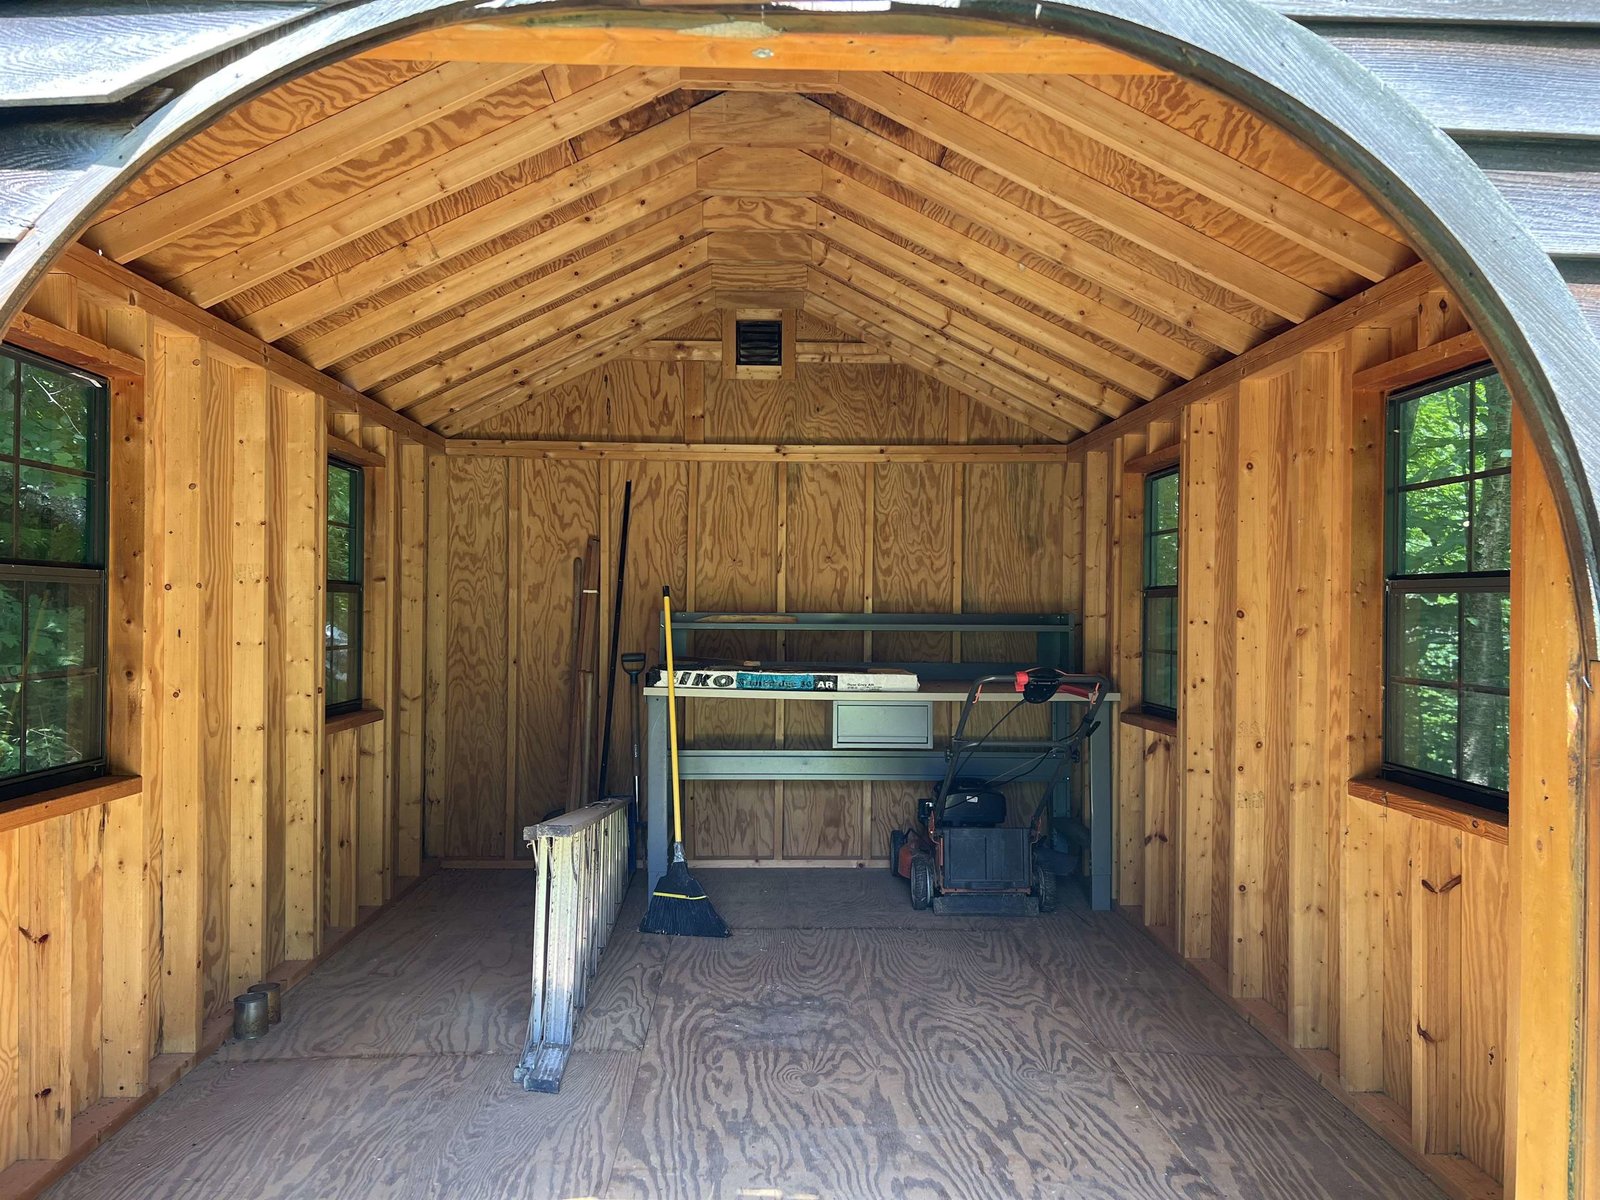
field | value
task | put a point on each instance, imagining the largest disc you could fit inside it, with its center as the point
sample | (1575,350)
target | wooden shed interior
(500,269)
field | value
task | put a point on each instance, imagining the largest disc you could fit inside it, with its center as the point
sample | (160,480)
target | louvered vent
(758,344)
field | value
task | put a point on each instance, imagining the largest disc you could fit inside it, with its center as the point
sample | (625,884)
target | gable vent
(758,343)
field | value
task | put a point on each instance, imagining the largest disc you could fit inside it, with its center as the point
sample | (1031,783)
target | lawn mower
(959,853)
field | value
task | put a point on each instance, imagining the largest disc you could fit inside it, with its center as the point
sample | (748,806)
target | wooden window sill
(69,798)
(1154,722)
(352,720)
(1430,806)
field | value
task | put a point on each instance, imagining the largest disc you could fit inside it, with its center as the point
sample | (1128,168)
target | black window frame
(93,572)
(1397,587)
(1158,591)
(358,550)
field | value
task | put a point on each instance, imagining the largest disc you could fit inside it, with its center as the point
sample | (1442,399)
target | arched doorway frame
(1412,171)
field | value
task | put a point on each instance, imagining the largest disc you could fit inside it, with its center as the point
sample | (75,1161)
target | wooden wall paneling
(558,507)
(216,664)
(733,556)
(1203,784)
(1223,669)
(124,981)
(44,988)
(1258,794)
(410,633)
(375,828)
(658,550)
(1012,563)
(128,879)
(1159,843)
(475,664)
(302,573)
(11,956)
(340,796)
(247,701)
(1313,804)
(1436,969)
(826,564)
(436,674)
(1361,912)
(1127,577)
(1550,808)
(1401,842)
(177,487)
(87,943)
(1483,979)
(915,568)
(1096,564)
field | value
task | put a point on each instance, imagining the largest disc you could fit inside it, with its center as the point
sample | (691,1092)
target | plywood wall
(240,834)
(1368,933)
(759,536)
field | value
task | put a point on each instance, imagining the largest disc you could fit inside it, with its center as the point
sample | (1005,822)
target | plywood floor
(838,1045)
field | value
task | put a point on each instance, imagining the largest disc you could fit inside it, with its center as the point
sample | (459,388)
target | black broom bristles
(679,905)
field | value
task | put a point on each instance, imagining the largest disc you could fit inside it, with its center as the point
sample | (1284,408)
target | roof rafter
(481,321)
(1082,194)
(870,247)
(1080,256)
(938,340)
(1004,271)
(424,183)
(298,156)
(986,339)
(1287,212)
(583,350)
(962,380)
(658,150)
(503,358)
(623,213)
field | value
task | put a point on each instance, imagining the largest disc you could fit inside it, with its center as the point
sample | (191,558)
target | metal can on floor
(250,1016)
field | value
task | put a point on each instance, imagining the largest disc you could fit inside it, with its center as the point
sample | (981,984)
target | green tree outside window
(342,631)
(1448,639)
(52,573)
(1160,628)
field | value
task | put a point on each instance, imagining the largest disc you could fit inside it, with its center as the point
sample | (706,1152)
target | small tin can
(274,994)
(250,1016)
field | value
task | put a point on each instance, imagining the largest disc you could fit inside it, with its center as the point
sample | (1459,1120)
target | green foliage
(51,630)
(1451,648)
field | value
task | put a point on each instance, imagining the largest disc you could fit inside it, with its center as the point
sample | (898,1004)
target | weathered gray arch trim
(1416,174)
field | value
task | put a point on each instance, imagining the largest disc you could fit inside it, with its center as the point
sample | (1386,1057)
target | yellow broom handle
(672,719)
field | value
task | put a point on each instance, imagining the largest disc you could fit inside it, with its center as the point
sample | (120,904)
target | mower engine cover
(973,808)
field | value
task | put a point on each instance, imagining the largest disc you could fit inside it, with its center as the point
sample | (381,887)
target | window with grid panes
(1448,605)
(342,635)
(1160,628)
(52,573)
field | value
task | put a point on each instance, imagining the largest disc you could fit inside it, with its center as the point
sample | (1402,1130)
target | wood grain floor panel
(837,1045)
(364,1129)
(1261,1130)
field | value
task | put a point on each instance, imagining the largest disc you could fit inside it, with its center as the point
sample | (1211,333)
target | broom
(679,904)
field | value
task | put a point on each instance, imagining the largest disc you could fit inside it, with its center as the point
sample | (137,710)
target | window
(52,573)
(342,638)
(1448,605)
(1160,629)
